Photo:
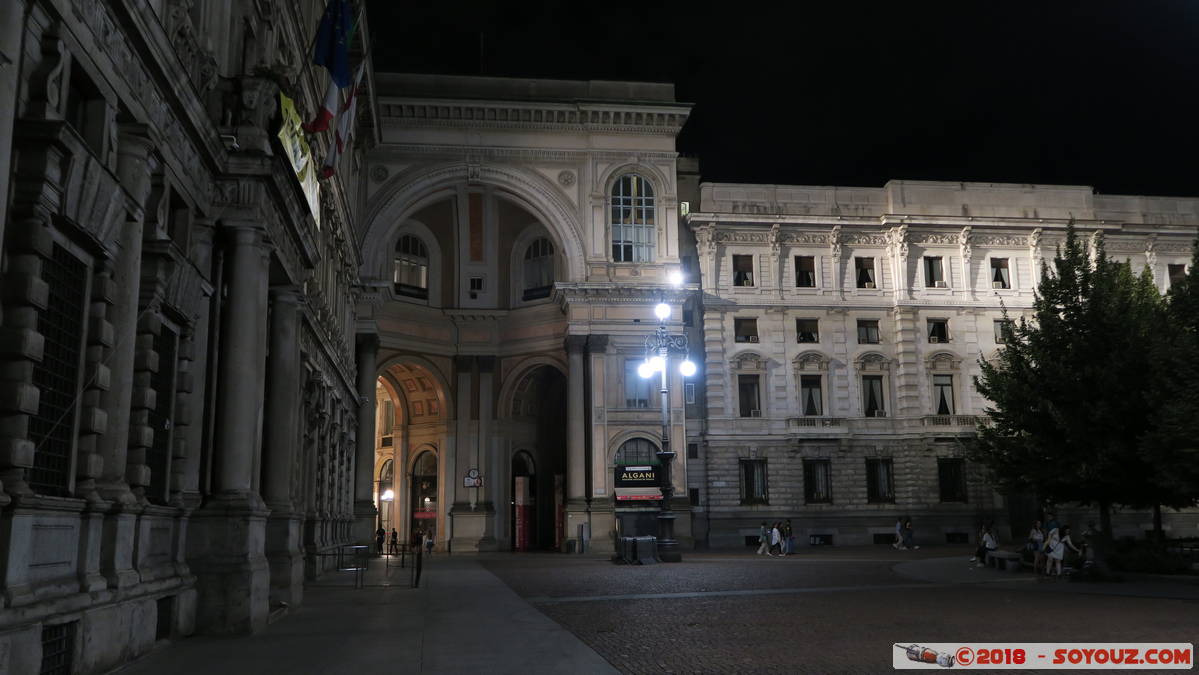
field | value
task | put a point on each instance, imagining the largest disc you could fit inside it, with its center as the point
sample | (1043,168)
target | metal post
(668,548)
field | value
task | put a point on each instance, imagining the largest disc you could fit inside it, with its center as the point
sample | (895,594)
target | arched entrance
(637,508)
(387,493)
(538,481)
(423,490)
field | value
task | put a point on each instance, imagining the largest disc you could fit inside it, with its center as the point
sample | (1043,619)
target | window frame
(799,332)
(929,281)
(407,290)
(819,394)
(742,337)
(541,262)
(761,496)
(1170,278)
(630,370)
(997,326)
(810,478)
(795,268)
(931,324)
(882,394)
(872,273)
(936,392)
(962,488)
(738,281)
(643,230)
(743,411)
(1005,270)
(865,323)
(873,493)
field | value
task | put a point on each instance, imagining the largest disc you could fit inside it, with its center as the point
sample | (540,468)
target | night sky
(856,93)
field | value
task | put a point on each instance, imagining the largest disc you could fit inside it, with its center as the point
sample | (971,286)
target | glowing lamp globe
(662,311)
(645,370)
(687,368)
(676,278)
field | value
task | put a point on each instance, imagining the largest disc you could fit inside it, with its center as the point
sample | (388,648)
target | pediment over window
(872,361)
(811,361)
(943,362)
(748,361)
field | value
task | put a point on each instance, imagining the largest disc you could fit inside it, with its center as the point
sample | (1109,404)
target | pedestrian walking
(909,535)
(395,542)
(788,538)
(776,539)
(1036,544)
(763,539)
(380,536)
(1058,541)
(898,544)
(429,543)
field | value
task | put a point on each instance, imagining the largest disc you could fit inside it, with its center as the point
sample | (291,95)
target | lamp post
(658,346)
(389,497)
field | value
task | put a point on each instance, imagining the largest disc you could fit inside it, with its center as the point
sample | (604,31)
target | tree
(1070,388)
(1171,444)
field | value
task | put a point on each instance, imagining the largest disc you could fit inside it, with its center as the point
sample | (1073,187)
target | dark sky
(1097,93)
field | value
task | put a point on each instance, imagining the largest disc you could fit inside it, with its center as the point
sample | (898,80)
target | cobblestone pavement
(839,611)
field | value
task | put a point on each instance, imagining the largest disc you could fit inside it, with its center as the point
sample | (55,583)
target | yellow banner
(300,156)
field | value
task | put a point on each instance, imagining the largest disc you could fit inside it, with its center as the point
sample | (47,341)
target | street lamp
(658,346)
(389,497)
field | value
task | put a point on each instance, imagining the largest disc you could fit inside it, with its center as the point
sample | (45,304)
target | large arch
(411,190)
(441,384)
(517,376)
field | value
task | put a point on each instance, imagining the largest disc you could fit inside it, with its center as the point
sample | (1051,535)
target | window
(807,330)
(52,429)
(872,396)
(637,451)
(817,482)
(951,475)
(412,268)
(868,332)
(58,648)
(879,485)
(634,229)
(688,317)
(805,271)
(636,388)
(158,456)
(809,395)
(1000,277)
(999,325)
(938,330)
(86,110)
(689,393)
(693,451)
(943,394)
(745,330)
(864,271)
(747,395)
(934,273)
(743,270)
(539,269)
(753,481)
(693,496)
(1176,273)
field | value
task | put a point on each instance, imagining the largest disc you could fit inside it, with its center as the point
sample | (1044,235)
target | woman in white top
(1036,544)
(1058,541)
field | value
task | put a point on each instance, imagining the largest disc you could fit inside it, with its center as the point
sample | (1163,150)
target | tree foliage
(1078,392)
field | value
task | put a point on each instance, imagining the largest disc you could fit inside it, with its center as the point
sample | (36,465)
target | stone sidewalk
(461,620)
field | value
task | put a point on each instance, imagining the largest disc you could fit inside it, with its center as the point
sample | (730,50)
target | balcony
(802,424)
(970,421)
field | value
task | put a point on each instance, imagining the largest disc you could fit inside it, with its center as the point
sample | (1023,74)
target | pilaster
(365,512)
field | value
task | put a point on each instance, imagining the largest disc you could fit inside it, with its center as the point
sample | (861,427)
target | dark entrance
(424,496)
(538,482)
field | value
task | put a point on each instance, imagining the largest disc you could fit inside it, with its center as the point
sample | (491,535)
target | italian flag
(327,112)
(345,126)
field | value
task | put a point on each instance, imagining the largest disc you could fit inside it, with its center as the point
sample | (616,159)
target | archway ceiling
(420,392)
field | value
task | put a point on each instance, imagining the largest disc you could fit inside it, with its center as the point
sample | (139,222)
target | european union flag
(333,42)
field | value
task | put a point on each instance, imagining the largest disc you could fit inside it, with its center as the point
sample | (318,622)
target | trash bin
(645,550)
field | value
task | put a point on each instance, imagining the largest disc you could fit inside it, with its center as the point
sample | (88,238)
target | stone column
(282,448)
(576,455)
(365,512)
(465,528)
(599,492)
(226,543)
(484,497)
(117,542)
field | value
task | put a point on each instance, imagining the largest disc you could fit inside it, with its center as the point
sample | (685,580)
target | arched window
(539,269)
(637,451)
(634,229)
(412,268)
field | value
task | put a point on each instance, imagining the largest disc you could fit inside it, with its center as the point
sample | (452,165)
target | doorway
(424,497)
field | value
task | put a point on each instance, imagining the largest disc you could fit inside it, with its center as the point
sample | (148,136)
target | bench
(1004,560)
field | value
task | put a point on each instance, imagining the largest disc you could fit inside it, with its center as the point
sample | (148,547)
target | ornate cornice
(656,120)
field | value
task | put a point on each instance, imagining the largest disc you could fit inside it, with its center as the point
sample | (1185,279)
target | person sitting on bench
(986,542)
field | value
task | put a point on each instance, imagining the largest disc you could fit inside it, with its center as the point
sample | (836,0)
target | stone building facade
(508,303)
(178,404)
(842,329)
